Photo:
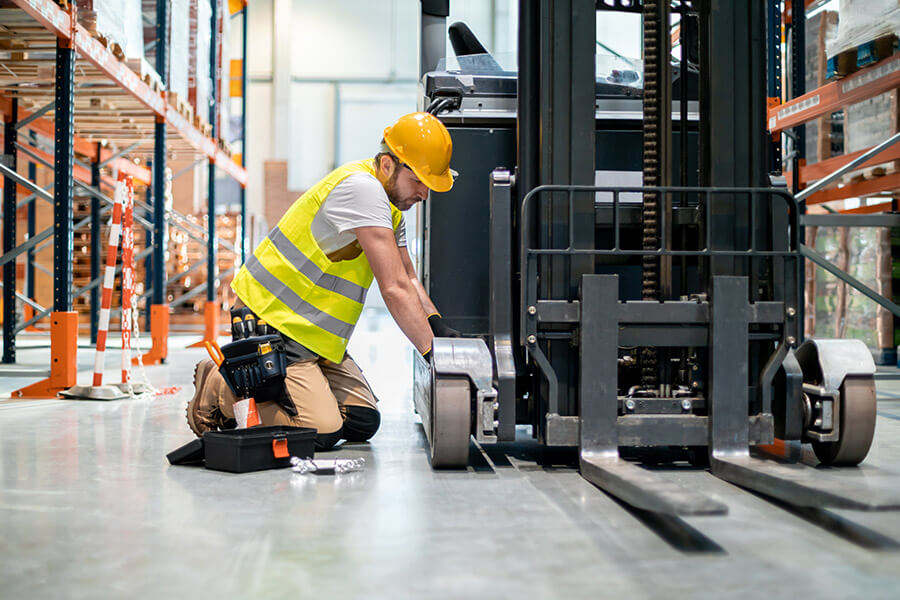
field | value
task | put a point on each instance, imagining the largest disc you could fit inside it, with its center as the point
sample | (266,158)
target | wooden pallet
(853,59)
(870,174)
(181,105)
(201,125)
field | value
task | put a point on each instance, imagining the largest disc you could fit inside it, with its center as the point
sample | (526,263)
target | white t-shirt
(357,201)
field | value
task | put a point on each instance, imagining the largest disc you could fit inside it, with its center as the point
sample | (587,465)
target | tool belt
(255,367)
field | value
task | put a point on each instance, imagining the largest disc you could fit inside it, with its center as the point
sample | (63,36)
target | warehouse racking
(806,106)
(835,187)
(71,106)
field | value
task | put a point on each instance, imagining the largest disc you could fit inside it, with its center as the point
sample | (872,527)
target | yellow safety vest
(291,284)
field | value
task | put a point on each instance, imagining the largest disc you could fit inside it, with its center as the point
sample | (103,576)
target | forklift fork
(728,423)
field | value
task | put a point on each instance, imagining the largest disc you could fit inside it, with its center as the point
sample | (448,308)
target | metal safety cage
(782,264)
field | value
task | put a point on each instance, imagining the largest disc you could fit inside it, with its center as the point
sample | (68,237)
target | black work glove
(441,329)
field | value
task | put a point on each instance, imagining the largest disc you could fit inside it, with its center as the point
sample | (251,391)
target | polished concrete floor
(90,508)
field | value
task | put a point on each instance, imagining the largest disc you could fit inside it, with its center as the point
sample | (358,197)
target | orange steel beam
(126,166)
(48,14)
(78,171)
(857,190)
(881,77)
(828,166)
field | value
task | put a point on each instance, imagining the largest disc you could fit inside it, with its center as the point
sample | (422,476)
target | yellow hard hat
(422,142)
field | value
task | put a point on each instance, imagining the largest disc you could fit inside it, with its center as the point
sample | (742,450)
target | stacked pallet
(121,26)
(866,33)
(824,136)
(185,251)
(117,24)
(860,34)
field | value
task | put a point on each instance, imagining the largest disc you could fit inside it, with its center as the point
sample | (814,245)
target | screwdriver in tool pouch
(237,325)
(249,322)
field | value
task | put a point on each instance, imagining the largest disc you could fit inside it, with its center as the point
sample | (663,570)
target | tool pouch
(255,367)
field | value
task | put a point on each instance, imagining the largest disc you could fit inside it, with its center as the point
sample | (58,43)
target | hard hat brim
(436,183)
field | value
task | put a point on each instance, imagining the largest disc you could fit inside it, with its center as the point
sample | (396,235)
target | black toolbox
(251,449)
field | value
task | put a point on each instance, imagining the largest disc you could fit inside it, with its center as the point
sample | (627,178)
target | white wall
(352,68)
(345,69)
(346,39)
(478,15)
(621,32)
(259,100)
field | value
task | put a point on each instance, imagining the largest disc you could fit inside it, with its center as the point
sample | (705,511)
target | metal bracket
(825,364)
(823,406)
(828,362)
(471,357)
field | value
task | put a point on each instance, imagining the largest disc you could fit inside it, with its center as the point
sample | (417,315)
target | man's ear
(387,165)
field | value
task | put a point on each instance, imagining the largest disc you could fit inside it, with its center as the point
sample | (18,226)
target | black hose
(439,104)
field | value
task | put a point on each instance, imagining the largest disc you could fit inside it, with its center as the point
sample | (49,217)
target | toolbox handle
(215,353)
(280,447)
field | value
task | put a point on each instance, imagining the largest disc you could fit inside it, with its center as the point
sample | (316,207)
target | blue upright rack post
(244,230)
(159,164)
(96,248)
(213,117)
(9,235)
(63,186)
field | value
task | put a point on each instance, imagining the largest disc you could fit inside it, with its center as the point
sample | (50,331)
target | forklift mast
(637,273)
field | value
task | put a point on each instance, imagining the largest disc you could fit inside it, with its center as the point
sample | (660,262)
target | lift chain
(653,65)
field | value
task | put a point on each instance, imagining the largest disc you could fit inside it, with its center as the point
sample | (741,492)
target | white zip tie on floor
(148,388)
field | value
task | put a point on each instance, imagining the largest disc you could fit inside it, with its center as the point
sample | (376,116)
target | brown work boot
(203,412)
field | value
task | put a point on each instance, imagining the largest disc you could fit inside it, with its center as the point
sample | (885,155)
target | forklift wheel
(450,421)
(857,425)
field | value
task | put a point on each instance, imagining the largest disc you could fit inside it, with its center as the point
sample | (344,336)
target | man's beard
(390,187)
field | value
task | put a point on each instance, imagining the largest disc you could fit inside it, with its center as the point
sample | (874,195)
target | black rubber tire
(857,423)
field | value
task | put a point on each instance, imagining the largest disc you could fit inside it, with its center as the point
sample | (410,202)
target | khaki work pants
(326,395)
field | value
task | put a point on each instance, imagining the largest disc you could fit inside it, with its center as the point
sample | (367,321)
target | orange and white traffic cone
(245,413)
(252,415)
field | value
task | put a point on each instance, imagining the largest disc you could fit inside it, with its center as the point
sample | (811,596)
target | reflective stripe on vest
(290,298)
(293,286)
(305,265)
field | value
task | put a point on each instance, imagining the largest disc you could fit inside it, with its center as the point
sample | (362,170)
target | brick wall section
(278,198)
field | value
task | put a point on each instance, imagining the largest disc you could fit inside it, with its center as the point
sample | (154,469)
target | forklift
(631,262)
